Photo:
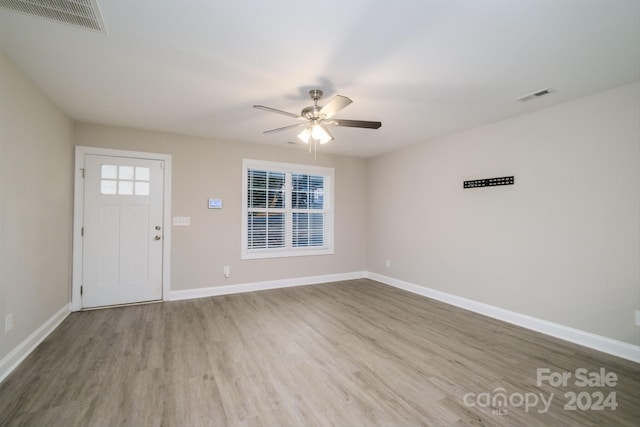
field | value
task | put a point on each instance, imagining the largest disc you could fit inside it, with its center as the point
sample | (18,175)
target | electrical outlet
(388,263)
(637,317)
(8,323)
(227,271)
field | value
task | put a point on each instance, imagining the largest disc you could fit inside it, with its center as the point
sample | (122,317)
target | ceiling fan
(316,118)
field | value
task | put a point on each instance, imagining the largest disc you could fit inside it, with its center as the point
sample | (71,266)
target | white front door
(122,231)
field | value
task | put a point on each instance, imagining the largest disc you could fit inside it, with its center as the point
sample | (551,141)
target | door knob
(158,237)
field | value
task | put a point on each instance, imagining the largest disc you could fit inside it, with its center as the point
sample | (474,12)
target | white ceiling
(424,68)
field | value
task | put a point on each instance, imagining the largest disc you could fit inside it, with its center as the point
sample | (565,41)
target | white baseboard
(576,336)
(18,354)
(261,286)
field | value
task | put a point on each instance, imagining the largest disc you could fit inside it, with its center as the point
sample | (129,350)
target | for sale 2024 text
(583,378)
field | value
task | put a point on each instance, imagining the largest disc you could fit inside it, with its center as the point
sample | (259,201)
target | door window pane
(108,186)
(109,172)
(125,188)
(142,173)
(125,172)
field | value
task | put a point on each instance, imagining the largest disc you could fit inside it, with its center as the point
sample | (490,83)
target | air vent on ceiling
(80,13)
(537,94)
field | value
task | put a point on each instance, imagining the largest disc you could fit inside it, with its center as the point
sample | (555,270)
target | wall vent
(533,95)
(79,13)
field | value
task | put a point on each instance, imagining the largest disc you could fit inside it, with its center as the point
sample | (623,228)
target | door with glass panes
(122,231)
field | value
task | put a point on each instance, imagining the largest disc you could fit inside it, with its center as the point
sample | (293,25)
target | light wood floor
(354,353)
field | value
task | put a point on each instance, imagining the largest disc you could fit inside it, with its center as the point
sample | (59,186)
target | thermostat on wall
(215,203)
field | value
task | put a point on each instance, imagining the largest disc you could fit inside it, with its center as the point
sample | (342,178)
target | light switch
(181,220)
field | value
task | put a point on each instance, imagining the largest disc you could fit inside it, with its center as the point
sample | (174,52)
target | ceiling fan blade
(274,110)
(286,127)
(356,124)
(336,104)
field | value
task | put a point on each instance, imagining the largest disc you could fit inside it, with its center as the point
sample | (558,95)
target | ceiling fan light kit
(315,118)
(316,132)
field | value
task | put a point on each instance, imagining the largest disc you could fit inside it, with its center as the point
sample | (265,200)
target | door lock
(157,227)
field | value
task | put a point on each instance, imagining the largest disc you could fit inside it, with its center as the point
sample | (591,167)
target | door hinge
(82,231)
(81,290)
(82,169)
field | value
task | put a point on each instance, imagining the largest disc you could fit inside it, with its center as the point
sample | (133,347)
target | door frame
(78,215)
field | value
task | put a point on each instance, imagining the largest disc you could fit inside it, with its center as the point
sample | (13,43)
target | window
(124,180)
(287,210)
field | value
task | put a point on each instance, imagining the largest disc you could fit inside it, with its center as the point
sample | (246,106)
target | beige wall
(562,244)
(203,169)
(36,200)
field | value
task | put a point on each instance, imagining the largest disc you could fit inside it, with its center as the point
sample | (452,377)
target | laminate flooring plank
(351,353)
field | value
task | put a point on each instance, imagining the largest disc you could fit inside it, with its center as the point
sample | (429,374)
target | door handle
(158,237)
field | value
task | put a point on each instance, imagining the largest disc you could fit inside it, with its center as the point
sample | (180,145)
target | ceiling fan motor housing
(311,113)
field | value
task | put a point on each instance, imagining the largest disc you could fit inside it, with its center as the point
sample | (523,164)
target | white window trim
(287,168)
